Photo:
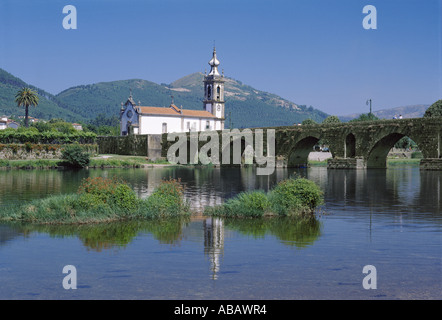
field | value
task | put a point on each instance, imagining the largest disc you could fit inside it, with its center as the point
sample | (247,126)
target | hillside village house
(137,119)
(8,123)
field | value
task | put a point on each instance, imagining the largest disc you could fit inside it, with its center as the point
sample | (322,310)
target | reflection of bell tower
(214,243)
(214,89)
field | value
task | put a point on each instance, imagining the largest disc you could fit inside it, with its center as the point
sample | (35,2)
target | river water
(389,219)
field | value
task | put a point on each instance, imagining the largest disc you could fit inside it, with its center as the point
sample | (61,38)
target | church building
(137,119)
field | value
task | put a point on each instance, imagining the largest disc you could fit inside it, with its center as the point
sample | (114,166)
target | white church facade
(137,119)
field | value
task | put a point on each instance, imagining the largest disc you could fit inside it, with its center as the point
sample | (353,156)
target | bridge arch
(298,155)
(350,146)
(377,155)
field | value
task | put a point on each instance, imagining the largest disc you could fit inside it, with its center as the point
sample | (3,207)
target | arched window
(164,127)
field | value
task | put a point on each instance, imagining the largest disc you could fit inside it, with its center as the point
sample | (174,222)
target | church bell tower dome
(214,89)
(214,63)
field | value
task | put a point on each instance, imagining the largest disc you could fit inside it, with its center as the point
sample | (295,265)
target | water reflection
(102,236)
(214,243)
(296,232)
(210,231)
(404,190)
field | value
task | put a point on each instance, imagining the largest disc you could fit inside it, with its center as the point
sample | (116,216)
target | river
(389,219)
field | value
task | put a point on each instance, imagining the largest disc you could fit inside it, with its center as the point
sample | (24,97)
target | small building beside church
(137,119)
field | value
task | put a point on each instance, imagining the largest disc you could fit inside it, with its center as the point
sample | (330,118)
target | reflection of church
(214,243)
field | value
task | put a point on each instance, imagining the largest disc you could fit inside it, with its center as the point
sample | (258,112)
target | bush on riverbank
(101,200)
(167,199)
(291,197)
(74,156)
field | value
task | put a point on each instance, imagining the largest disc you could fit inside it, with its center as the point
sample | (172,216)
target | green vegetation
(435,110)
(113,161)
(108,235)
(308,122)
(403,162)
(101,200)
(73,156)
(26,97)
(331,120)
(290,197)
(300,232)
(33,135)
(48,106)
(29,164)
(365,117)
(167,199)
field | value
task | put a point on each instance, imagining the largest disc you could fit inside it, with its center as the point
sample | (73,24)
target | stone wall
(431,164)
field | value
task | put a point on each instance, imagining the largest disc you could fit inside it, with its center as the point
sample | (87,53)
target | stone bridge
(352,144)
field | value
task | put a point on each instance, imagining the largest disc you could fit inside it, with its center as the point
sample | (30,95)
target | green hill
(250,107)
(47,108)
(245,106)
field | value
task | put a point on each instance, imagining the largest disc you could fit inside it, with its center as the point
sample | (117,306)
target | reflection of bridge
(352,144)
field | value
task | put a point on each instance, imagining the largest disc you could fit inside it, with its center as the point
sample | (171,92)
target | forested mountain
(248,107)
(245,106)
(47,108)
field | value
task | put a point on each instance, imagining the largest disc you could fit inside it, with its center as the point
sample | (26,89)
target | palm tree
(26,97)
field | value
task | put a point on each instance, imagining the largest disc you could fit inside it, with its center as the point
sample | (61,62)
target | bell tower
(214,89)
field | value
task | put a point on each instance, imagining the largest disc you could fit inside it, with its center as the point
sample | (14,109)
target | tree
(331,120)
(365,117)
(26,97)
(307,122)
(435,110)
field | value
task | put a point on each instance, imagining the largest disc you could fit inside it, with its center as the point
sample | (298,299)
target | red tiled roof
(173,110)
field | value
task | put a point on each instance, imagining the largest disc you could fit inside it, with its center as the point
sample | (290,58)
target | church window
(164,127)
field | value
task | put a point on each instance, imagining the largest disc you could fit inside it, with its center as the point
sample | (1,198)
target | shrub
(417,155)
(331,120)
(245,204)
(289,197)
(167,199)
(295,196)
(74,156)
(308,122)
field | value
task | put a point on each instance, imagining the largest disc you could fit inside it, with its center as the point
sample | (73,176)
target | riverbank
(391,162)
(101,161)
(316,159)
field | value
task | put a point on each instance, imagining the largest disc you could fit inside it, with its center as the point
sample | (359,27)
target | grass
(390,162)
(108,161)
(399,162)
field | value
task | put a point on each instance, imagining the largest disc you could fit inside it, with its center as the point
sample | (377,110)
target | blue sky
(313,52)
